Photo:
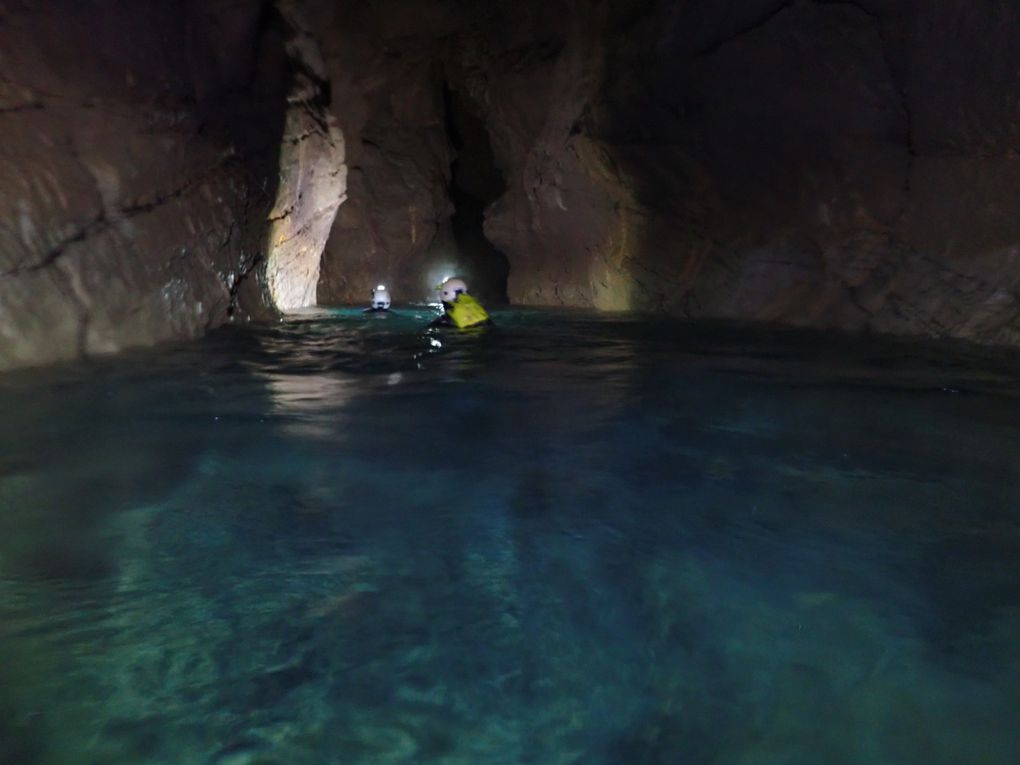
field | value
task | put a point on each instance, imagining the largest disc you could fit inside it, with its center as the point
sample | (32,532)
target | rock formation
(847,164)
(829,164)
(313,176)
(141,156)
(386,77)
(850,165)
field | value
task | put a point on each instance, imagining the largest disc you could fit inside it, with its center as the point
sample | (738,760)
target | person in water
(459,308)
(380,300)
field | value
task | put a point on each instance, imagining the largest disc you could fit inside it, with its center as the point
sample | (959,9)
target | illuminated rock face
(312,184)
(313,175)
(137,165)
(167,166)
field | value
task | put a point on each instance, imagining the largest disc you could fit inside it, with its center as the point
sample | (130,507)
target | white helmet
(381,297)
(450,288)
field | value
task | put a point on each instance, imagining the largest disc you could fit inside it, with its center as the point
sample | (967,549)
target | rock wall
(829,164)
(139,161)
(312,172)
(846,164)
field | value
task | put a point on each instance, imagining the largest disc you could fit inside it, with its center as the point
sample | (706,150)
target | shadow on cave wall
(475,183)
(817,164)
(730,132)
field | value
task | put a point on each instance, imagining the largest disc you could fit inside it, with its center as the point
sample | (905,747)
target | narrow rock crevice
(761,22)
(54,254)
(475,183)
(243,277)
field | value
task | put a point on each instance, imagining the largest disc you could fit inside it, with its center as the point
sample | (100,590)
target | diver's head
(451,288)
(381,298)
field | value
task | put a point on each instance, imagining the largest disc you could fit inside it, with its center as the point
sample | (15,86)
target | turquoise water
(572,539)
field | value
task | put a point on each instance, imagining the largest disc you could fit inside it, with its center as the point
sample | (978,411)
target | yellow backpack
(467,312)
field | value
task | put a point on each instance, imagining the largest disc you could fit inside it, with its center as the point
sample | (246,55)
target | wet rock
(136,172)
(831,165)
(313,176)
(787,162)
(387,94)
(848,165)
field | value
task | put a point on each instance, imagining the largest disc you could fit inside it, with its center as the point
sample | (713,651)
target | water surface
(572,539)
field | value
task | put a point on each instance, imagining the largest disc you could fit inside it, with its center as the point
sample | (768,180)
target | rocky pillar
(313,175)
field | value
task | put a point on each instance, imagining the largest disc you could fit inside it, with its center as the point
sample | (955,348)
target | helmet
(381,297)
(450,288)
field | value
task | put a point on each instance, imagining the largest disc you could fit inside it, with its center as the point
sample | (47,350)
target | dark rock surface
(831,164)
(140,159)
(386,78)
(312,173)
(844,164)
(128,184)
(835,164)
(421,171)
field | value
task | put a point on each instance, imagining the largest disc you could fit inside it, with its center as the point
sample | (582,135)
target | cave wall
(829,164)
(384,61)
(312,170)
(139,162)
(168,166)
(832,164)
(398,95)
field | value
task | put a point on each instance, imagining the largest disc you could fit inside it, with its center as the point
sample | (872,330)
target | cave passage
(476,183)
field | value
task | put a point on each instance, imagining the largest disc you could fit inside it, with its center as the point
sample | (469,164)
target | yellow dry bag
(467,312)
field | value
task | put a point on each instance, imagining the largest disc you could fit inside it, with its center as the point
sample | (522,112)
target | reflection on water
(311,403)
(571,539)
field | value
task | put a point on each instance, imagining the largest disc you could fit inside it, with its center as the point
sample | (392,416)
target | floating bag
(467,312)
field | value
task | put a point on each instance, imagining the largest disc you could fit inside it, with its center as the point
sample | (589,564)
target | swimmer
(459,308)
(380,300)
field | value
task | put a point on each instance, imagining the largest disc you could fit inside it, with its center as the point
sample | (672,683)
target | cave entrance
(475,184)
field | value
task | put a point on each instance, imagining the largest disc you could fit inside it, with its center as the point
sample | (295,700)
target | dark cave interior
(475,184)
(850,166)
